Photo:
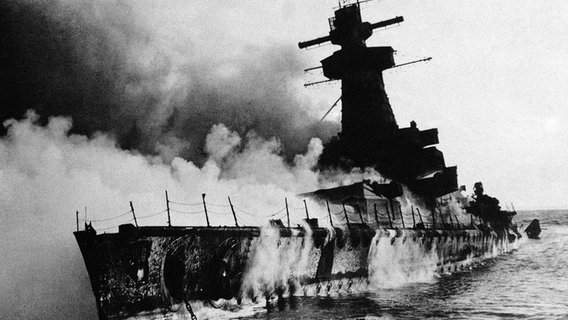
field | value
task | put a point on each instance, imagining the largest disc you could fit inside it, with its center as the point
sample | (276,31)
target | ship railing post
(451,222)
(420,216)
(287,211)
(346,217)
(360,214)
(329,213)
(388,215)
(471,219)
(377,216)
(392,210)
(233,211)
(413,219)
(307,214)
(168,209)
(441,217)
(77,218)
(205,208)
(401,217)
(133,214)
(433,214)
(457,221)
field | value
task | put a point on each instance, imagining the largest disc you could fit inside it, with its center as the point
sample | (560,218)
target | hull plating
(150,272)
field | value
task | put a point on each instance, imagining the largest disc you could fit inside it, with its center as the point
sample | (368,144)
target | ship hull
(152,272)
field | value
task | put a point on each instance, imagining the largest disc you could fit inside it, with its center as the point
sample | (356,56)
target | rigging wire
(151,215)
(259,215)
(217,205)
(186,204)
(218,213)
(107,219)
(244,221)
(187,212)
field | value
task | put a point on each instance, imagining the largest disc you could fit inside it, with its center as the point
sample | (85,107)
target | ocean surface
(530,283)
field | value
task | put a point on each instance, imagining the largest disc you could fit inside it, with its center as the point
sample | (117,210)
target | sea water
(530,283)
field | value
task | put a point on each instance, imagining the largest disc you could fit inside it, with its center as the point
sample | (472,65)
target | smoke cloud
(132,99)
(157,76)
(46,174)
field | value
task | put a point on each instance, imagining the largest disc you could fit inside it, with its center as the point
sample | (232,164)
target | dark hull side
(153,270)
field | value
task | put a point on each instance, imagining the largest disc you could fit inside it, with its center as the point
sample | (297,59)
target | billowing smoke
(162,96)
(156,76)
(46,174)
(448,209)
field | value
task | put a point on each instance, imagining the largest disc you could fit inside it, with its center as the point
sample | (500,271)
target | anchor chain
(189,309)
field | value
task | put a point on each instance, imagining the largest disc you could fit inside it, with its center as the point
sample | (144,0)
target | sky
(158,75)
(133,98)
(495,89)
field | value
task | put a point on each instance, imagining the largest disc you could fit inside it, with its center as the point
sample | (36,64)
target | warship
(415,218)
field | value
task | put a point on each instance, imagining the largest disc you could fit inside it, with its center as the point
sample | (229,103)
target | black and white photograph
(284,159)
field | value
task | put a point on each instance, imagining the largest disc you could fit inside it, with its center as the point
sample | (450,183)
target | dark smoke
(122,77)
(107,69)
